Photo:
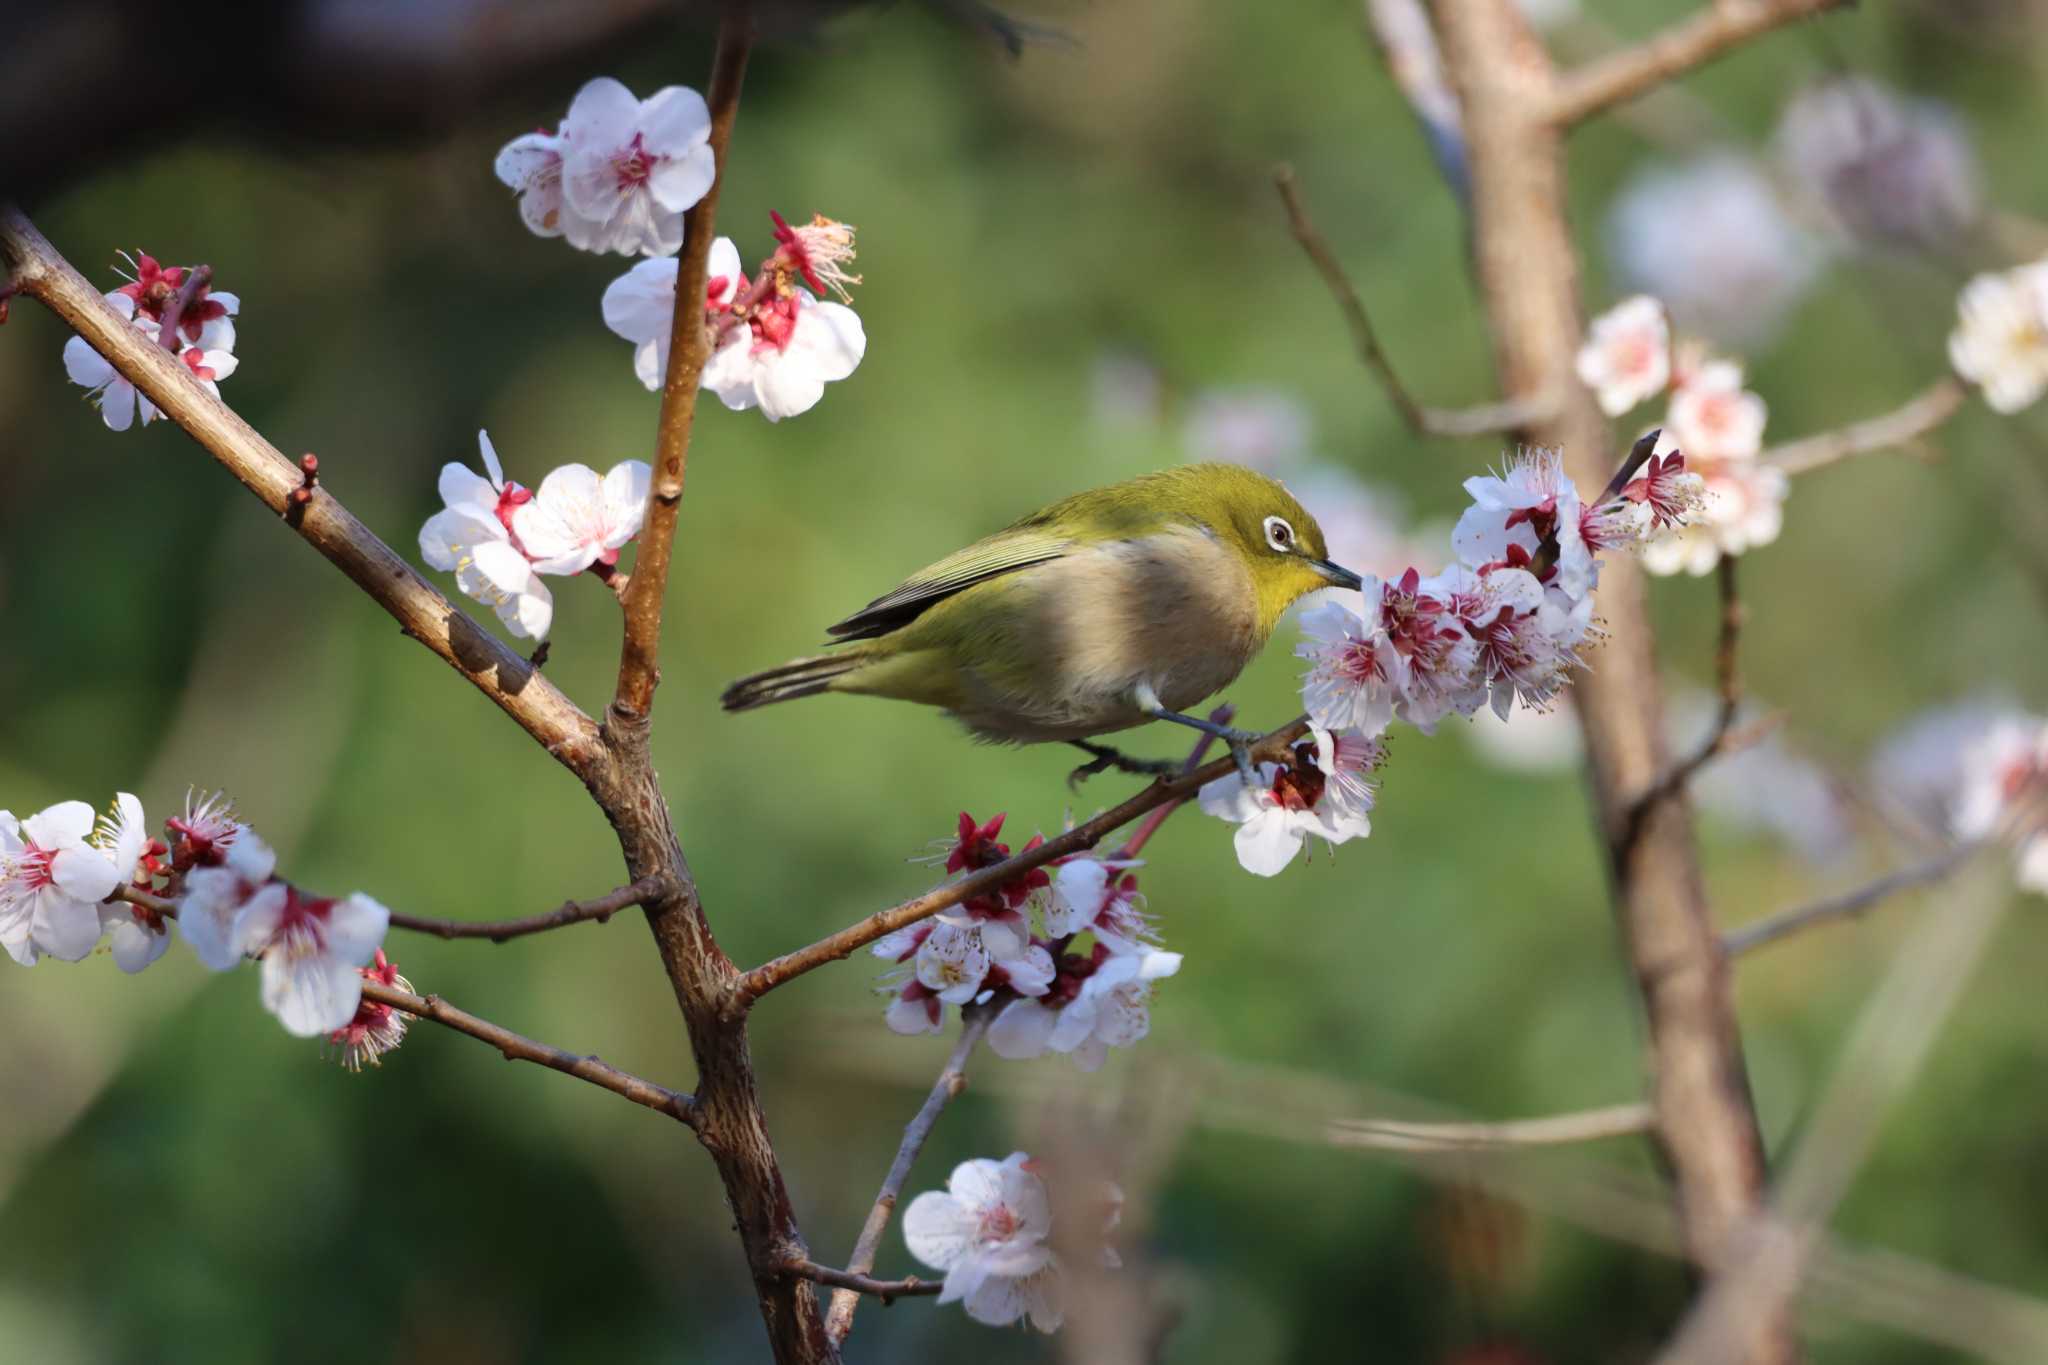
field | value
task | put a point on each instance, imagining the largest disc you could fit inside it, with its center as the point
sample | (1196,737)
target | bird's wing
(1005,552)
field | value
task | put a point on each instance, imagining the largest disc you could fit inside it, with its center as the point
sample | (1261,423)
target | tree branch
(518,1048)
(1620,1120)
(1912,419)
(1694,41)
(689,349)
(832,948)
(422,612)
(1848,904)
(1728,685)
(886,1290)
(1474,421)
(569,912)
(1142,835)
(952,1080)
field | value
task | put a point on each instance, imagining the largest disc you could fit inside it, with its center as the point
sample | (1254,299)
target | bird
(1103,611)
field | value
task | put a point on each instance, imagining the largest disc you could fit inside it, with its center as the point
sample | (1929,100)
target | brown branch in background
(886,1290)
(1848,904)
(852,939)
(1713,31)
(689,349)
(518,1048)
(952,1080)
(1592,1125)
(569,912)
(420,609)
(1902,426)
(196,279)
(1474,421)
(1142,835)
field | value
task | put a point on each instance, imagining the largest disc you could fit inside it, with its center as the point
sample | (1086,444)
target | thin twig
(536,704)
(1474,421)
(952,1080)
(1621,1120)
(1713,31)
(853,938)
(1722,738)
(689,349)
(886,1290)
(569,912)
(196,279)
(1848,904)
(518,1048)
(1142,835)
(1902,426)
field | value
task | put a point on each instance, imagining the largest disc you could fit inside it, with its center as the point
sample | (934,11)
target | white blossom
(216,895)
(1627,354)
(575,519)
(2000,342)
(136,937)
(310,948)
(630,167)
(52,880)
(1323,791)
(990,1231)
(472,536)
(1111,1009)
(640,306)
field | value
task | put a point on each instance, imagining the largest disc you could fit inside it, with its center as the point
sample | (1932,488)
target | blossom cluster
(203,340)
(63,872)
(2000,343)
(1501,626)
(1629,357)
(1016,951)
(1973,772)
(498,536)
(990,1231)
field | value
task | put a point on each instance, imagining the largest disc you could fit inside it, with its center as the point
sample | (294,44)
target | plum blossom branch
(639,656)
(1142,835)
(533,702)
(952,1080)
(519,1048)
(847,1281)
(1620,1120)
(1474,421)
(834,947)
(1718,28)
(1849,904)
(196,281)
(600,909)
(1906,423)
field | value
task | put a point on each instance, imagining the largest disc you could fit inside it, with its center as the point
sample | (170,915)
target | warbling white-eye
(1103,611)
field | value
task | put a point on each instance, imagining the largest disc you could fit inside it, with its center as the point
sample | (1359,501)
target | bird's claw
(1107,759)
(1241,750)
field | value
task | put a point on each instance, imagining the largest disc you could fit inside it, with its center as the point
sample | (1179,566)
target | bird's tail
(797,678)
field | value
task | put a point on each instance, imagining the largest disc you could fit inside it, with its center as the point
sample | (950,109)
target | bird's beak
(1342,577)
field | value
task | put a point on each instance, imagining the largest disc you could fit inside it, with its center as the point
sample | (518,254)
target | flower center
(999,1224)
(633,165)
(31,867)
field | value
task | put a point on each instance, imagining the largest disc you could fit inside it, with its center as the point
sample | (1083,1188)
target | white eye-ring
(1280,535)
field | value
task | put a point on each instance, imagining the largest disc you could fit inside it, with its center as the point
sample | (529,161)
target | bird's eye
(1280,535)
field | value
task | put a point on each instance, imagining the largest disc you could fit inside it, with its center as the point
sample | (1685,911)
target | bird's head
(1280,544)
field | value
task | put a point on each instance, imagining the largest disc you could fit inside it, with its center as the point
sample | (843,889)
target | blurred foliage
(183,1181)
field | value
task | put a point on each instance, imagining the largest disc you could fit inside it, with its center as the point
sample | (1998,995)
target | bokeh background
(1076,271)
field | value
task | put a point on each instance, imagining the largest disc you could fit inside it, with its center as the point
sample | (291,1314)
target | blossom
(990,1231)
(52,879)
(377,1028)
(640,306)
(216,895)
(1531,506)
(531,165)
(1096,1002)
(1712,417)
(138,936)
(1881,168)
(1523,637)
(575,519)
(203,833)
(1741,506)
(1627,355)
(952,963)
(473,536)
(1099,896)
(109,390)
(1355,674)
(204,322)
(2000,342)
(310,948)
(778,345)
(1710,239)
(1322,790)
(629,167)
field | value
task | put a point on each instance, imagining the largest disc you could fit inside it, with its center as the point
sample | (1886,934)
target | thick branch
(518,1048)
(952,1080)
(1848,904)
(1621,1120)
(852,939)
(1475,421)
(886,1290)
(1906,423)
(420,609)
(569,912)
(689,349)
(1713,31)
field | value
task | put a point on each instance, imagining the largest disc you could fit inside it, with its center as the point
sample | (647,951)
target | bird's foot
(1107,759)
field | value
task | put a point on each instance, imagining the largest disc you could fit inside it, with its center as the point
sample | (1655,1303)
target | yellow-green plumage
(1058,626)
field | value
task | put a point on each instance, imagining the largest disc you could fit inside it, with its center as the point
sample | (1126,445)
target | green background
(179,1180)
